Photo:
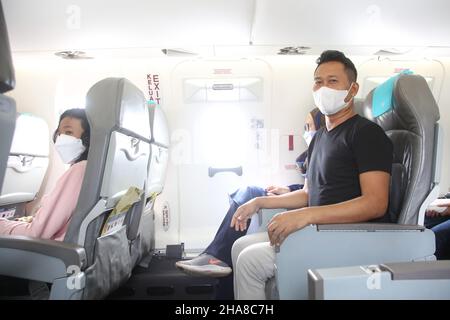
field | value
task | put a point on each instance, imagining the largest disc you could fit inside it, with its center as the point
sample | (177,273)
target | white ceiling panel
(352,22)
(226,27)
(81,24)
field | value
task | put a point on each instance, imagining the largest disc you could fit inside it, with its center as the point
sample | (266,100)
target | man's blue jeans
(442,233)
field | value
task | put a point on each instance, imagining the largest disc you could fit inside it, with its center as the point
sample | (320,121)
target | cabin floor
(161,280)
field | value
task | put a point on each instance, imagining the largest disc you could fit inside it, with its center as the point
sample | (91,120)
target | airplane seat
(160,143)
(94,259)
(412,125)
(7,104)
(27,164)
(358,106)
(157,167)
(409,115)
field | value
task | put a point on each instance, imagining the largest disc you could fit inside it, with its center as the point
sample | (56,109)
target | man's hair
(338,56)
(80,114)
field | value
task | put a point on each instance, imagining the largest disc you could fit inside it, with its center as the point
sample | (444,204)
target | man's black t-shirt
(337,157)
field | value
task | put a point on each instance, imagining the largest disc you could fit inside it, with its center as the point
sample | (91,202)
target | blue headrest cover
(382,95)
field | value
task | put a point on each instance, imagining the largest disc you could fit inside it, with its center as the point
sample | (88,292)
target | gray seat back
(7,105)
(27,162)
(160,142)
(118,158)
(157,167)
(411,123)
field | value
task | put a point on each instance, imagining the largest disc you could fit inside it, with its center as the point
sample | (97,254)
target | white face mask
(330,101)
(69,148)
(308,135)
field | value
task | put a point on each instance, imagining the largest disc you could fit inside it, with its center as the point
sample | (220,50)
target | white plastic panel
(120,174)
(23,179)
(158,167)
(223,90)
(31,136)
(143,23)
(353,23)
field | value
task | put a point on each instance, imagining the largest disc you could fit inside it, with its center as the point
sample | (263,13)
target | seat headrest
(382,95)
(158,126)
(31,136)
(126,105)
(7,80)
(412,105)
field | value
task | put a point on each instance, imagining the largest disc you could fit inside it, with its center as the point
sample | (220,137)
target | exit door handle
(212,171)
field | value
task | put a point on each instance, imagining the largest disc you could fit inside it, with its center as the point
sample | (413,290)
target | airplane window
(223,136)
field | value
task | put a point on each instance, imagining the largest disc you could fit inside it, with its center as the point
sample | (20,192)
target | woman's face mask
(69,148)
(308,135)
(330,101)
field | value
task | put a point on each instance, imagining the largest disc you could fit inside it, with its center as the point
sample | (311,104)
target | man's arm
(372,204)
(291,200)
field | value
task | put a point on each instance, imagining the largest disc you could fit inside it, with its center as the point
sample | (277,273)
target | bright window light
(223,136)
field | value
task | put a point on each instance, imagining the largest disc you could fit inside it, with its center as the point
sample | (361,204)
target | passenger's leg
(225,237)
(254,264)
(220,247)
(442,234)
(431,222)
(225,286)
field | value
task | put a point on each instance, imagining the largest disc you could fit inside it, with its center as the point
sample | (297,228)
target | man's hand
(243,213)
(439,207)
(284,223)
(276,190)
(434,213)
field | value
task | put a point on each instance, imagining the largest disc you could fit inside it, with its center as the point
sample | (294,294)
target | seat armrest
(369,227)
(264,217)
(70,254)
(329,246)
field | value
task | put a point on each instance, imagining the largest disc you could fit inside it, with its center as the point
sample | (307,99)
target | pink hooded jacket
(52,218)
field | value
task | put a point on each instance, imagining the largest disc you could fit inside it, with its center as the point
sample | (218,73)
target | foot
(204,265)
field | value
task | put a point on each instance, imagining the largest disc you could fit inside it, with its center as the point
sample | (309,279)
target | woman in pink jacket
(52,218)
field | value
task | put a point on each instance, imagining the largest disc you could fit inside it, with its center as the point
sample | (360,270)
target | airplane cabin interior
(192,103)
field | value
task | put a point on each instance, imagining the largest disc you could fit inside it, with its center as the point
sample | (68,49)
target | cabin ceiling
(221,27)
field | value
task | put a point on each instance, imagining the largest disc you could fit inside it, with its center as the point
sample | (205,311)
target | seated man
(51,220)
(347,181)
(215,261)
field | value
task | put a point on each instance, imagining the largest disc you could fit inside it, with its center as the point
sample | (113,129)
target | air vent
(178,52)
(72,55)
(391,51)
(293,50)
